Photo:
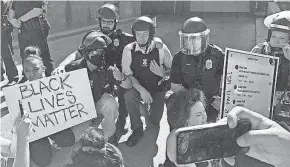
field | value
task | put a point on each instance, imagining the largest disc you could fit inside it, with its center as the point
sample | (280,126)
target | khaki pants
(108,107)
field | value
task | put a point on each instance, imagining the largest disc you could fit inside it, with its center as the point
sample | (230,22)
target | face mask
(96,57)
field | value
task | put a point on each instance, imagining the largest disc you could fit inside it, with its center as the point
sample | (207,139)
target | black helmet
(108,11)
(279,22)
(194,36)
(94,41)
(144,23)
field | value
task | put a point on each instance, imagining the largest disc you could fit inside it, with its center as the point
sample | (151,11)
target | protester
(94,151)
(40,150)
(147,67)
(185,108)
(6,45)
(18,147)
(27,17)
(101,75)
(198,64)
(268,142)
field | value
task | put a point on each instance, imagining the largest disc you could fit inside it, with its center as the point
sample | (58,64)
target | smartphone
(21,108)
(210,141)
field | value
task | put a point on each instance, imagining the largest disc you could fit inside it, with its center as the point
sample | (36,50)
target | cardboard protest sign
(54,103)
(249,80)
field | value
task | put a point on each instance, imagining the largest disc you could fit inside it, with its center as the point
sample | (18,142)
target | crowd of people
(139,69)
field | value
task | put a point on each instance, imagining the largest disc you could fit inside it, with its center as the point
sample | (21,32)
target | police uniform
(283,80)
(136,62)
(31,32)
(202,72)
(284,64)
(99,79)
(115,49)
(113,56)
(6,44)
(106,105)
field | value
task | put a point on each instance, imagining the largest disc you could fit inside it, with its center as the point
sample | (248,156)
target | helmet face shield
(194,43)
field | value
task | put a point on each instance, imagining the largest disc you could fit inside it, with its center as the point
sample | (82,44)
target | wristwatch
(125,77)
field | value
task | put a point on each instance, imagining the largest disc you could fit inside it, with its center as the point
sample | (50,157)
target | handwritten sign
(249,80)
(54,103)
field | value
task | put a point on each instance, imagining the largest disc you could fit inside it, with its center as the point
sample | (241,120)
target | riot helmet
(194,36)
(279,22)
(94,46)
(143,23)
(108,12)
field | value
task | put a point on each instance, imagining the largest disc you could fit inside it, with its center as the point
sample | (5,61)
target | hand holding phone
(211,141)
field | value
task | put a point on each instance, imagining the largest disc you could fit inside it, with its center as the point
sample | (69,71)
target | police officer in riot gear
(108,18)
(278,44)
(146,66)
(93,48)
(198,64)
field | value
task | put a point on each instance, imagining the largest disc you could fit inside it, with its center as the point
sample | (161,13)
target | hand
(58,70)
(118,75)
(156,69)
(286,50)
(267,141)
(146,97)
(16,23)
(22,125)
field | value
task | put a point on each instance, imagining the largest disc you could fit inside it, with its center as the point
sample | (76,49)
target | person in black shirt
(101,75)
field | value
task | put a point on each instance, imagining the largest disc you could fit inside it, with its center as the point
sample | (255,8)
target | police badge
(208,64)
(116,42)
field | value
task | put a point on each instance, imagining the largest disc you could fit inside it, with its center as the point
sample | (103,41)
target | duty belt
(31,24)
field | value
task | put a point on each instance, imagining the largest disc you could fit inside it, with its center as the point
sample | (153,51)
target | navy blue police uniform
(202,72)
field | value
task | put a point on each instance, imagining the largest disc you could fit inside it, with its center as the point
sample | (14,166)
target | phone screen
(218,141)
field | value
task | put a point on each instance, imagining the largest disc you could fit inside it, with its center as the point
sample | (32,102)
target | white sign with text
(53,103)
(249,80)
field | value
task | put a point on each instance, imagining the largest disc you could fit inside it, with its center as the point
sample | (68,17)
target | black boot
(135,137)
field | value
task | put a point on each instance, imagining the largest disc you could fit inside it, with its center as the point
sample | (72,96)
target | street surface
(227,30)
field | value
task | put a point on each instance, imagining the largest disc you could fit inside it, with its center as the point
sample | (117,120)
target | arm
(5,146)
(126,62)
(176,75)
(22,154)
(72,57)
(126,82)
(35,12)
(167,60)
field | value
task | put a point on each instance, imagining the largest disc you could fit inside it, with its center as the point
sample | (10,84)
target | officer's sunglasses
(108,21)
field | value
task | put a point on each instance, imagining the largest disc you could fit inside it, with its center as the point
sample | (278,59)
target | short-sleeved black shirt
(22,7)
(203,71)
(115,49)
(100,80)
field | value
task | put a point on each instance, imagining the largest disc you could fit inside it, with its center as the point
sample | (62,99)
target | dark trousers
(6,55)
(123,113)
(35,37)
(133,100)
(41,151)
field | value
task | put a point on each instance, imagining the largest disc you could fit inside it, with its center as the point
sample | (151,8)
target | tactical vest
(141,69)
